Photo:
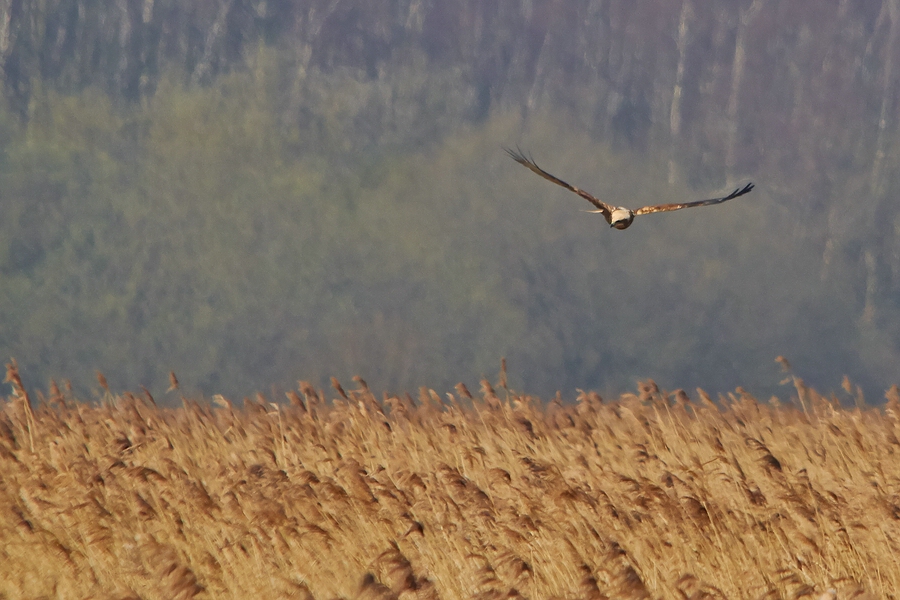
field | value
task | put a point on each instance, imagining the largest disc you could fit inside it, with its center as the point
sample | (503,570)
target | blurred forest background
(249,192)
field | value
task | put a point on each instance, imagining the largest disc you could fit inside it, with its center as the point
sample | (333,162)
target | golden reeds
(649,496)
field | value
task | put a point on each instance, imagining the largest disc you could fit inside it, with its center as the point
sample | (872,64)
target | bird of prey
(619,216)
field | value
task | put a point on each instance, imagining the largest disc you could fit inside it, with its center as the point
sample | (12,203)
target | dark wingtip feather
(517,155)
(740,191)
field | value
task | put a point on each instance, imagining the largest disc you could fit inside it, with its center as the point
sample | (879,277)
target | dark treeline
(253,192)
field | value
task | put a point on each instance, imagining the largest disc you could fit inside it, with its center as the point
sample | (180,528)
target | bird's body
(620,217)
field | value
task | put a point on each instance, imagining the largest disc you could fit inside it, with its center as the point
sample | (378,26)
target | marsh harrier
(619,216)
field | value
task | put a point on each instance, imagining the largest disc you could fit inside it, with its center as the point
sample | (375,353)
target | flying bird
(619,216)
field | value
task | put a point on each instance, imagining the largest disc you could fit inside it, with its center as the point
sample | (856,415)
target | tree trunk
(737,75)
(675,111)
(887,97)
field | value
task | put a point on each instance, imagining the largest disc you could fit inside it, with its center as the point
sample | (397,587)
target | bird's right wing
(602,207)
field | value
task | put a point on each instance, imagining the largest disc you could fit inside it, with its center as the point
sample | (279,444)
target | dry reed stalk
(651,495)
(173,382)
(21,398)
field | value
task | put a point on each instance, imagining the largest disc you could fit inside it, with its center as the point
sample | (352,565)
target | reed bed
(351,495)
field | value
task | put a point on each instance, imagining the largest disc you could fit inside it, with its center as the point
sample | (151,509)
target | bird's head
(621,217)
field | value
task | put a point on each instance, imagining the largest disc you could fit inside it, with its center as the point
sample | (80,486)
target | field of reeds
(352,495)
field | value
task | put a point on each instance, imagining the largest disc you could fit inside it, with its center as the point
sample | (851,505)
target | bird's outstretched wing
(667,207)
(602,207)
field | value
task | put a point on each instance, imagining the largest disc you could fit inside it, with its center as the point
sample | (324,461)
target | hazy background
(254,192)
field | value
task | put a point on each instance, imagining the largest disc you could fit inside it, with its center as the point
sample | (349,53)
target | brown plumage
(619,216)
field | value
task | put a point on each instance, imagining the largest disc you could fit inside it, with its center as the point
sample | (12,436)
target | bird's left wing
(668,207)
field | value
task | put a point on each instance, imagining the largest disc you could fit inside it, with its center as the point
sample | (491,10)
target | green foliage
(218,232)
(198,233)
